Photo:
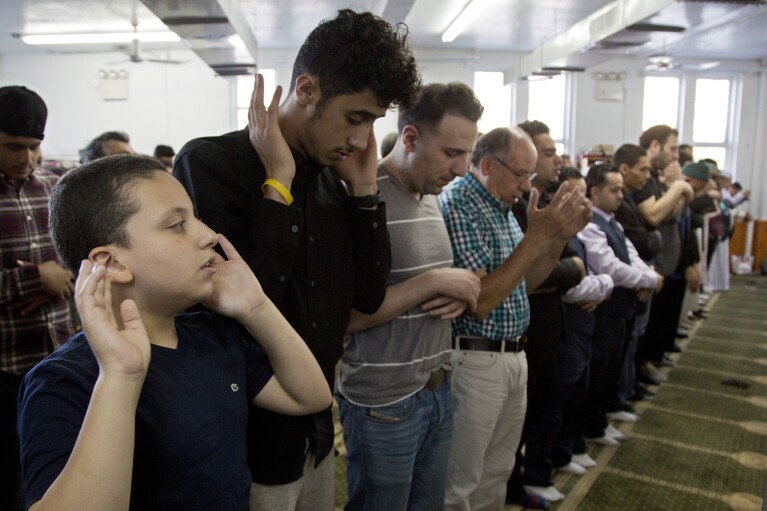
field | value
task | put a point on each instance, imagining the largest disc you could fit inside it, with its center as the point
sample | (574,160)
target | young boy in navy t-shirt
(147,409)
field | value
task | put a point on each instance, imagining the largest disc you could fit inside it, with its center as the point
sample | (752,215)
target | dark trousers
(607,350)
(540,429)
(660,334)
(10,467)
(575,358)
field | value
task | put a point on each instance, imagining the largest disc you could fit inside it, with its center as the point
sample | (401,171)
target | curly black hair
(354,52)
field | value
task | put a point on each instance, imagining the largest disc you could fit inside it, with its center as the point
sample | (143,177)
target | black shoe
(675,349)
(628,408)
(700,314)
(641,393)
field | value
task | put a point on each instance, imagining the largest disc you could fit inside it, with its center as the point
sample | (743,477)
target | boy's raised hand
(236,290)
(121,345)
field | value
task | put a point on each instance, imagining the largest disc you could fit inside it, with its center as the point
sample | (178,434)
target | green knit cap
(698,171)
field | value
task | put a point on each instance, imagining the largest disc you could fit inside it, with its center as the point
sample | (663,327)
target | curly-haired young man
(296,194)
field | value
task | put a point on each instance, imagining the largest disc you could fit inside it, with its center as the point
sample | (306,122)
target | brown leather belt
(474,343)
(436,379)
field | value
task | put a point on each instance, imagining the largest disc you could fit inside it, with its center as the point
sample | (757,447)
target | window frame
(565,144)
(234,96)
(686,111)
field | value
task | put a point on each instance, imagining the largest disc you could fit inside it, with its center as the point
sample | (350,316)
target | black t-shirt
(652,188)
(190,450)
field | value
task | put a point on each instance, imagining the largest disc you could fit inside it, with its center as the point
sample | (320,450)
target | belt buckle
(457,341)
(517,344)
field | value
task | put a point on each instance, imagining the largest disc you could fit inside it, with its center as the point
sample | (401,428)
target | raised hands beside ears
(120,344)
(360,169)
(236,290)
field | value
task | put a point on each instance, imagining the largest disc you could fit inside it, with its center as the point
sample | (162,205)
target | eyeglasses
(519,174)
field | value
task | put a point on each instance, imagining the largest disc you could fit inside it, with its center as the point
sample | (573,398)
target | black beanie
(22,112)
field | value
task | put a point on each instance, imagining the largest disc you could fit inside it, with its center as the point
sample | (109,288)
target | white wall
(167,104)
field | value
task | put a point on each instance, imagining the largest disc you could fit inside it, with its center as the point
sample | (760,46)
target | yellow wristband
(280,189)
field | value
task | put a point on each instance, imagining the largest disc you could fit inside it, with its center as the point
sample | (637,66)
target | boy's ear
(307,90)
(116,272)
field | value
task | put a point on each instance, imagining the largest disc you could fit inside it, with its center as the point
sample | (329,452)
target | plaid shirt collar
(486,196)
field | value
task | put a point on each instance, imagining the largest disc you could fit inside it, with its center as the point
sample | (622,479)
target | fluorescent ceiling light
(460,22)
(236,41)
(114,37)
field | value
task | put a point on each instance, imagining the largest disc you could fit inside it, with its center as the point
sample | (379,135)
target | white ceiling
(503,25)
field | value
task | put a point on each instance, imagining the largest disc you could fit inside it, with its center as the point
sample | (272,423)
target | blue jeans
(396,455)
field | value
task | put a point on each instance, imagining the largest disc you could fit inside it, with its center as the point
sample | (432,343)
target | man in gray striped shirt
(394,399)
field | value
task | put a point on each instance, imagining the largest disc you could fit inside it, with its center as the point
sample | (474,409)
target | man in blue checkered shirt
(490,379)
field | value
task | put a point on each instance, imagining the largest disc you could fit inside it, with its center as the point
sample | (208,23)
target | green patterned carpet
(700,445)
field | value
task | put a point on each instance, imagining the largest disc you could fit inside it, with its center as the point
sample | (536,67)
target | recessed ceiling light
(460,22)
(99,38)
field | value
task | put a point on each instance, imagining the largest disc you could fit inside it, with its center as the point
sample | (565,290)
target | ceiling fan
(665,62)
(661,62)
(134,52)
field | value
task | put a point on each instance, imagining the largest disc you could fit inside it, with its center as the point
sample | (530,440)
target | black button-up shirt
(316,260)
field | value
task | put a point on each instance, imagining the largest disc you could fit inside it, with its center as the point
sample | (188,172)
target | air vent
(604,22)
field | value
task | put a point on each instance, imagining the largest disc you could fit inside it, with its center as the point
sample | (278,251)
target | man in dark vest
(610,252)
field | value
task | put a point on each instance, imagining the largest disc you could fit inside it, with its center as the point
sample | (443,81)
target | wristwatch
(366,201)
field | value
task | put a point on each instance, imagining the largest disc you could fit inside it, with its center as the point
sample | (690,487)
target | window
(495,97)
(661,101)
(244,89)
(547,103)
(711,112)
